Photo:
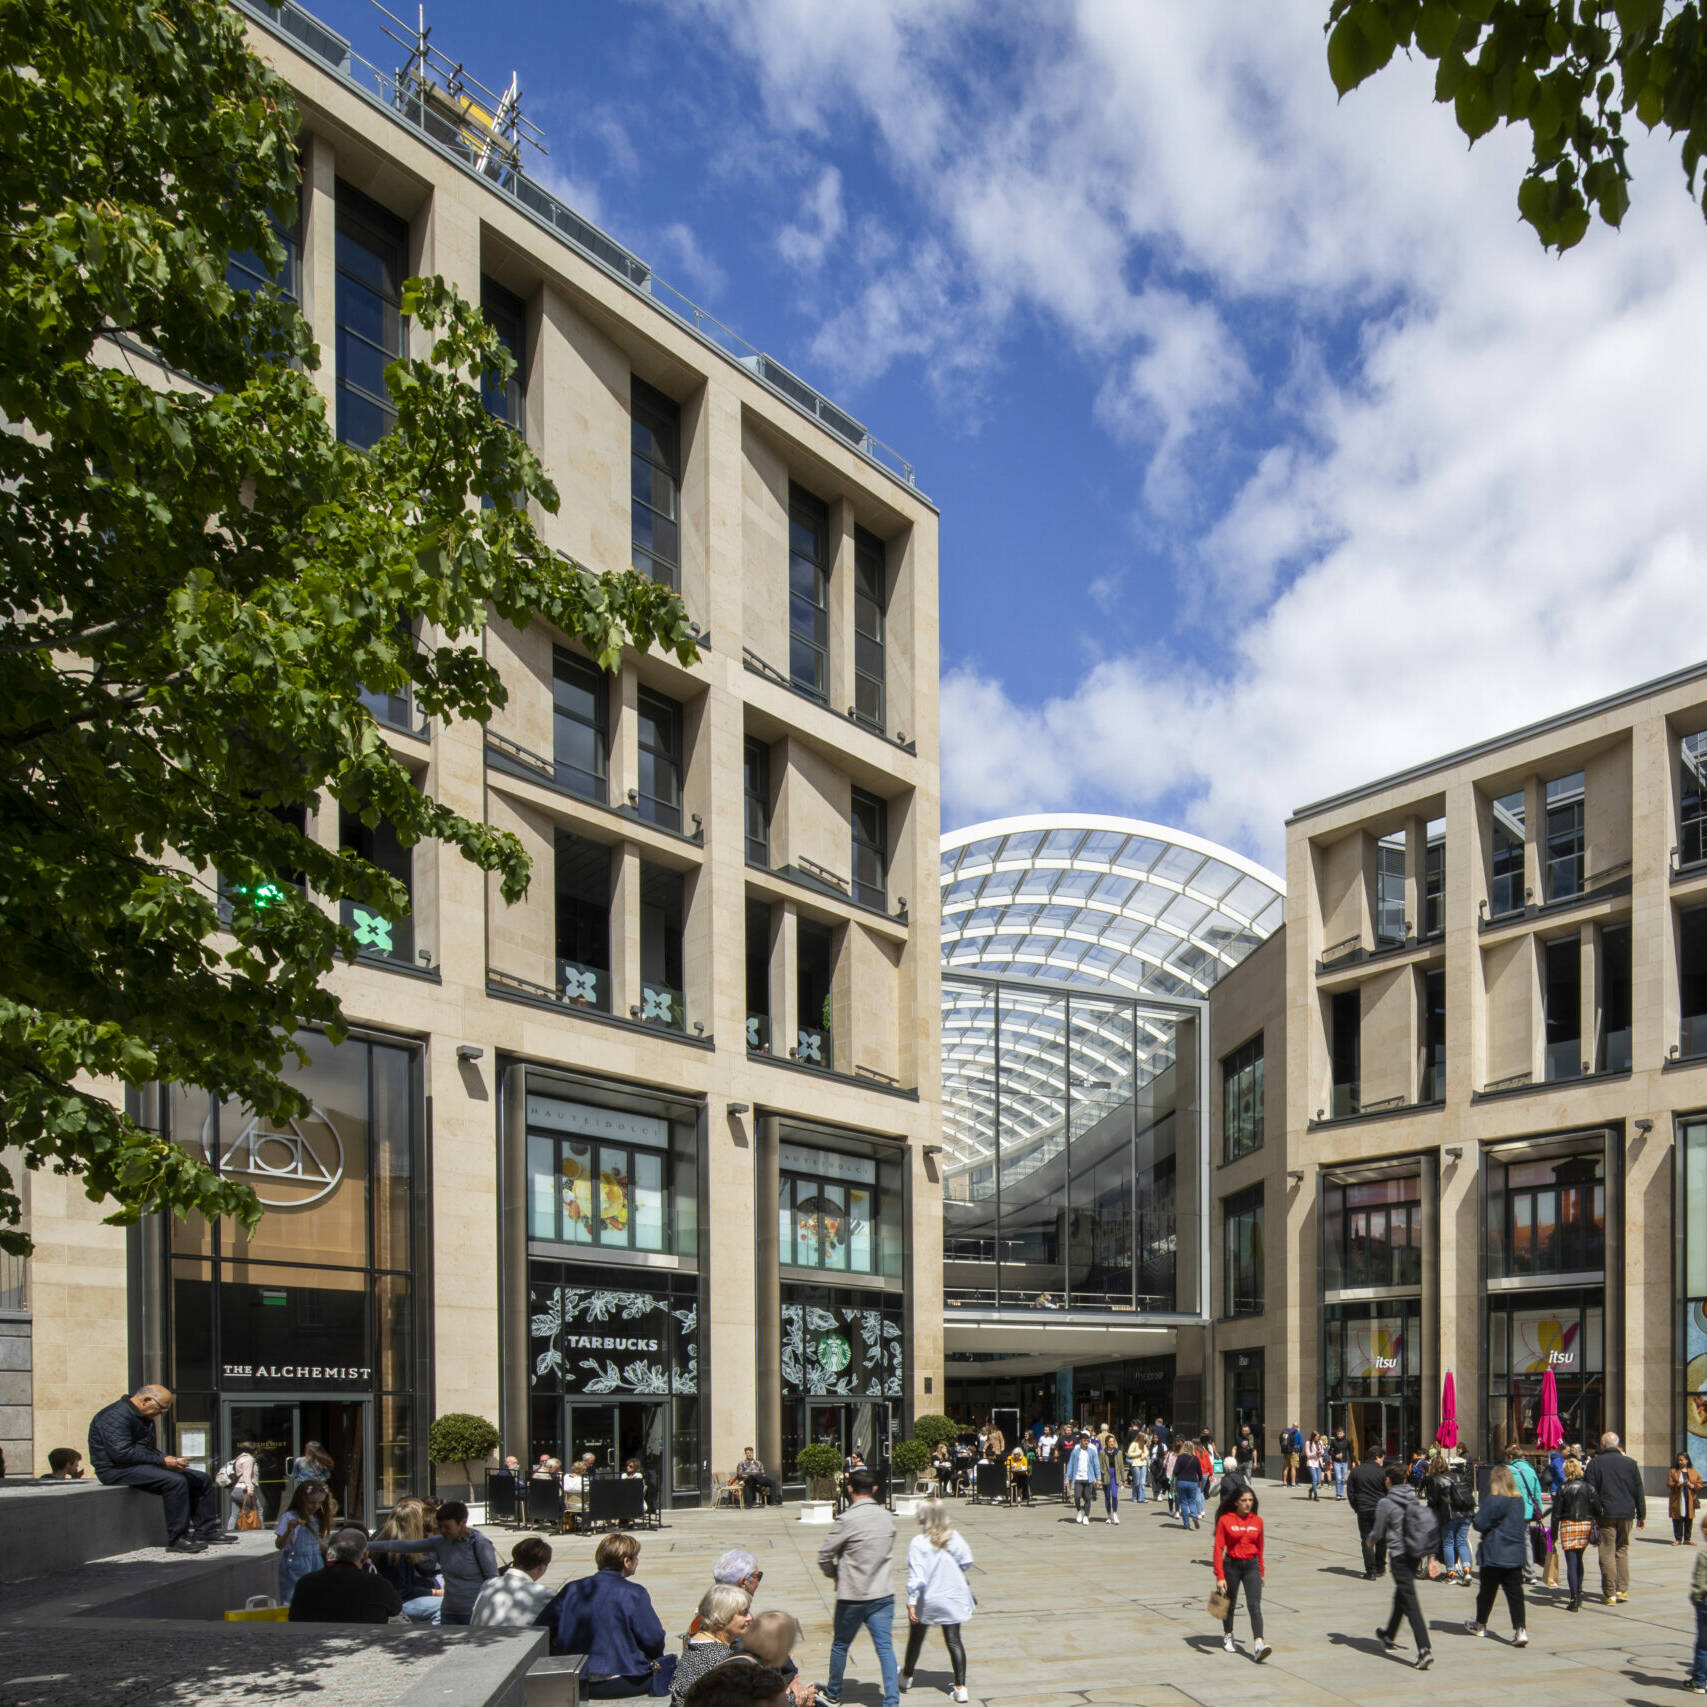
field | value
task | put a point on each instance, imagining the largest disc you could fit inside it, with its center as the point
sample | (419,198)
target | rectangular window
(808,593)
(663,913)
(1434,880)
(1244,1253)
(506,399)
(1692,980)
(580,725)
(1372,1233)
(1563,996)
(756,757)
(583,891)
(1692,799)
(660,739)
(379,938)
(870,850)
(373,260)
(655,478)
(1241,1099)
(1614,1054)
(590,1191)
(1431,1081)
(1506,874)
(1565,869)
(245,270)
(815,970)
(1390,891)
(871,603)
(759,976)
(1554,1215)
(1694,1137)
(1345,1051)
(830,1222)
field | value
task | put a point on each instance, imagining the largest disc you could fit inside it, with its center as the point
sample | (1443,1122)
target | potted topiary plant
(460,1438)
(912,1458)
(935,1430)
(820,1463)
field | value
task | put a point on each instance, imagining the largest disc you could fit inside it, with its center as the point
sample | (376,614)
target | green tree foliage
(935,1430)
(910,1457)
(1574,71)
(460,1437)
(198,580)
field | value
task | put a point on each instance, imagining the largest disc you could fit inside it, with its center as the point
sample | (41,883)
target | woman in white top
(937,1591)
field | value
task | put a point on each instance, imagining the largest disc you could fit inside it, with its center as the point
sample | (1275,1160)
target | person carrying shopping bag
(1576,1509)
(938,1595)
(1237,1558)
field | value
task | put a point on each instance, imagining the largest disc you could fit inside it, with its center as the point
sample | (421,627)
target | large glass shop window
(838,1343)
(835,1211)
(1530,1333)
(1692,1140)
(607,1177)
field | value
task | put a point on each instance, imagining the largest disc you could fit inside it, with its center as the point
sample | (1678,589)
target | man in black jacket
(343,1592)
(1617,1481)
(1366,1487)
(123,1453)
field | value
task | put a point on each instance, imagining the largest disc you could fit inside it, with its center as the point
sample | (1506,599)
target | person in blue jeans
(1188,1488)
(1698,1596)
(1339,1460)
(858,1554)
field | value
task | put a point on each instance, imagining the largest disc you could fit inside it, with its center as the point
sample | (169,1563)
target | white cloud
(698,269)
(822,221)
(1474,498)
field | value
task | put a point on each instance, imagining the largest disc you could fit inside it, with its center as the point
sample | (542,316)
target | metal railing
(583,986)
(814,1047)
(1340,950)
(822,872)
(1510,1082)
(497,169)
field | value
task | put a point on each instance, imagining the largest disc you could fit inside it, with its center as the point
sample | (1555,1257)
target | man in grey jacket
(1406,1531)
(858,1553)
(1617,1480)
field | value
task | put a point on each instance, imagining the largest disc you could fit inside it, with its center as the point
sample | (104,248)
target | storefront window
(608,1177)
(1373,1372)
(1692,1139)
(832,1212)
(1547,1216)
(1530,1333)
(1372,1233)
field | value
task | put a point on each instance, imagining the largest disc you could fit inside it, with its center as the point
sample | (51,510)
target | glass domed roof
(1107,906)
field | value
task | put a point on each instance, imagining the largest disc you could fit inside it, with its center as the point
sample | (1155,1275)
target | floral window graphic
(843,1351)
(609,1340)
(608,1194)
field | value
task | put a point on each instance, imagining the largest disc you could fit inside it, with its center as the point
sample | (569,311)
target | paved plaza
(1115,1616)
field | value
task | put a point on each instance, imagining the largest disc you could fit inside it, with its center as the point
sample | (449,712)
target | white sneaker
(1261,1651)
(1472,1628)
(1229,1644)
(1114,1517)
(1521,1639)
(904,1682)
(960,1692)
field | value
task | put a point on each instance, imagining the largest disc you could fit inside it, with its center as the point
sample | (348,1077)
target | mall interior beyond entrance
(1110,1393)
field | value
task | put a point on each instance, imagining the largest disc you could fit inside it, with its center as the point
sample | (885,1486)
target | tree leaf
(1436,26)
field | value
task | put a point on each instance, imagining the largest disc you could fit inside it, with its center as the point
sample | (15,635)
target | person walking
(1697,1684)
(937,1593)
(1617,1482)
(1138,1462)
(1684,1481)
(1406,1530)
(1315,1455)
(1529,1485)
(303,1529)
(1576,1510)
(1292,1455)
(1339,1461)
(1188,1487)
(1084,1474)
(1505,1546)
(1365,1489)
(1238,1562)
(857,1554)
(1438,1490)
(313,1465)
(1112,1465)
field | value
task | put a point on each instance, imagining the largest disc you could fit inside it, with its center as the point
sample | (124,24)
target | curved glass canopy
(1095,907)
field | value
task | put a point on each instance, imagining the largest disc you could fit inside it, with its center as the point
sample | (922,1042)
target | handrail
(872,1073)
(522,755)
(822,872)
(499,171)
(761,667)
(1385,1102)
(1510,1083)
(1610,874)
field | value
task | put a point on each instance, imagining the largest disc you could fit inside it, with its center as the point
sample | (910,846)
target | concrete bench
(57,1526)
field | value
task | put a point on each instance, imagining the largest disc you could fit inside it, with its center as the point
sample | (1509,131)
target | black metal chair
(989,1484)
(500,1497)
(619,1501)
(544,1502)
(1048,1481)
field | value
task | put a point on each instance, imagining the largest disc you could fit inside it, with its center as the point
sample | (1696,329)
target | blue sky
(1272,453)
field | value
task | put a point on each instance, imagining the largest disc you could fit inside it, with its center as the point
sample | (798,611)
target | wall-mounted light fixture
(469,1052)
(1644,1127)
(1296,1175)
(1453,1151)
(739,1108)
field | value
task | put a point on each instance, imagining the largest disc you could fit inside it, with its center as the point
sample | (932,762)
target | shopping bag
(1219,1605)
(250,1515)
(260,1609)
(1551,1575)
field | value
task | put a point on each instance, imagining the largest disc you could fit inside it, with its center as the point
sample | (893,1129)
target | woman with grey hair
(723,1621)
(937,1591)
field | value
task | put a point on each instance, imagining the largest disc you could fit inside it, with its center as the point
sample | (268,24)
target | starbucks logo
(834,1353)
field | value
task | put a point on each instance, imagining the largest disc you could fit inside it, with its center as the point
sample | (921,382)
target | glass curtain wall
(1692,1400)
(1066,1197)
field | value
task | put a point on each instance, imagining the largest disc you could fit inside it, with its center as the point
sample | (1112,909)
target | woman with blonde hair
(1503,1524)
(724,1619)
(412,1574)
(937,1591)
(1576,1507)
(302,1532)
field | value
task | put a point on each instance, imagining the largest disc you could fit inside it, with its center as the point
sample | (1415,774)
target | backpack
(1295,1440)
(1462,1501)
(226,1474)
(1421,1530)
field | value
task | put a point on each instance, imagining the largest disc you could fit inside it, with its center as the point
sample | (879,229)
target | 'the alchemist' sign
(296,1373)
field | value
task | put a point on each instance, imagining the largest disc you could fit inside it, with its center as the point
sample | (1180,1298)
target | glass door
(594,1429)
(828,1424)
(1370,1423)
(267,1427)
(276,1430)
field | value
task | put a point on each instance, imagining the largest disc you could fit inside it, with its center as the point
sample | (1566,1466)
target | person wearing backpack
(1339,1460)
(1406,1528)
(1292,1451)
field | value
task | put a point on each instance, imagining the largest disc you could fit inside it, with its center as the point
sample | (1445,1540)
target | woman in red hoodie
(1238,1562)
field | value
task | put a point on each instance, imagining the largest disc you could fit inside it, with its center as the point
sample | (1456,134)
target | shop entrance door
(1371,1422)
(277,1429)
(850,1426)
(614,1433)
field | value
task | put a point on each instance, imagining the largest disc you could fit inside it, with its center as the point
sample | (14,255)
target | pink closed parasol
(1549,1431)
(1447,1435)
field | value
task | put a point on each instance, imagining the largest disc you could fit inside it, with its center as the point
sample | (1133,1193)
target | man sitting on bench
(124,1454)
